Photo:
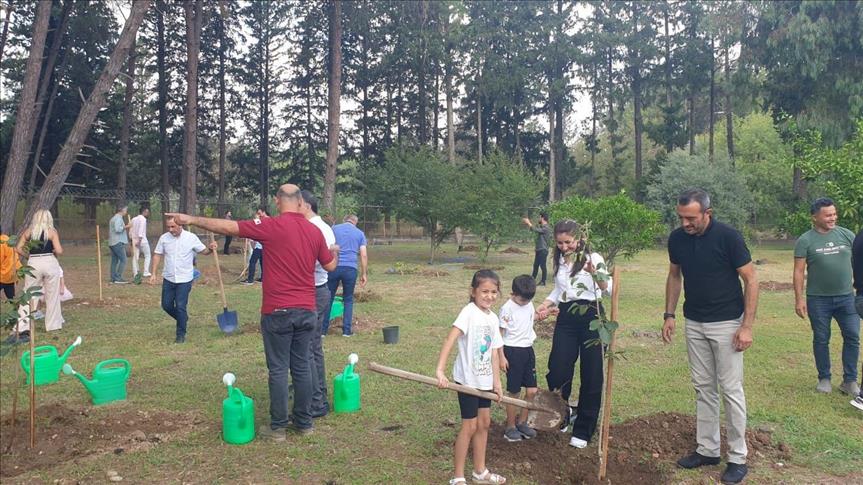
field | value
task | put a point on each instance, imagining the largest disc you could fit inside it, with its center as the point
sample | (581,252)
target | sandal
(456,481)
(487,477)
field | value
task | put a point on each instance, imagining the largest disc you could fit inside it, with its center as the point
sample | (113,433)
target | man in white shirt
(320,403)
(138,233)
(179,248)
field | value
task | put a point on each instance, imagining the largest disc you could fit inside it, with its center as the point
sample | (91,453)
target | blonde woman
(46,270)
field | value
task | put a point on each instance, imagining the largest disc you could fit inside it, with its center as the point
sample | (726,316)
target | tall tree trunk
(436,111)
(5,34)
(388,134)
(190,148)
(399,110)
(310,144)
(668,65)
(478,123)
(264,122)
(162,103)
(43,131)
(222,115)
(611,123)
(125,130)
(712,117)
(690,123)
(47,76)
(729,115)
(334,112)
(89,111)
(450,125)
(422,89)
(25,119)
(552,165)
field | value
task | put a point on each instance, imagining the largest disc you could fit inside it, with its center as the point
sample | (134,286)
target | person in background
(227,249)
(320,404)
(352,253)
(543,239)
(708,259)
(46,273)
(179,248)
(9,264)
(117,240)
(140,245)
(257,251)
(823,254)
(857,263)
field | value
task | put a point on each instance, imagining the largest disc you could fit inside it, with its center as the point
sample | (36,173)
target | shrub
(619,226)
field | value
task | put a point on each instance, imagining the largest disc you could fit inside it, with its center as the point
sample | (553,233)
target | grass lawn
(404,432)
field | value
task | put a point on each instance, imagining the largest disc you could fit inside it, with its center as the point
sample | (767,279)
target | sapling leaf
(604,335)
(595,324)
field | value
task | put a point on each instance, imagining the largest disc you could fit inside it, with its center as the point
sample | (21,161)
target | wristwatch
(666,316)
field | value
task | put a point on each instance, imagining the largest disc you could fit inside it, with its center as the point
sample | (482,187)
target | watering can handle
(108,362)
(244,404)
(25,357)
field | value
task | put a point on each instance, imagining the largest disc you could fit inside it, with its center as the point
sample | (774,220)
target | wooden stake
(99,260)
(32,375)
(609,380)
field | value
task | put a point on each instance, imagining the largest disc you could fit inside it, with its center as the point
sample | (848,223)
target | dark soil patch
(407,269)
(65,433)
(775,286)
(545,328)
(467,248)
(365,296)
(513,250)
(360,325)
(479,266)
(642,450)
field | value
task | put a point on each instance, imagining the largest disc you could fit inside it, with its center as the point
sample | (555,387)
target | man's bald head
(289,198)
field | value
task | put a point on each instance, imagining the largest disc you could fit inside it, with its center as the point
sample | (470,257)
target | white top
(516,321)
(480,336)
(139,227)
(330,238)
(567,289)
(179,253)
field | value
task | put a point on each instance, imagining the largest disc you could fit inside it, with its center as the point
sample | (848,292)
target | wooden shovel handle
(219,273)
(392,371)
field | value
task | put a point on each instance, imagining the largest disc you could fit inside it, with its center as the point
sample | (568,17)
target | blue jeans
(118,261)
(822,309)
(175,297)
(287,337)
(257,255)
(347,276)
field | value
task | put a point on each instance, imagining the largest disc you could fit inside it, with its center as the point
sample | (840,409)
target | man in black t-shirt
(708,259)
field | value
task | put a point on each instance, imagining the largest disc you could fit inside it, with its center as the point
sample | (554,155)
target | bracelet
(666,316)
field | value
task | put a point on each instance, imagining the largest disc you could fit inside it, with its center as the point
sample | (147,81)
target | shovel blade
(227,321)
(552,417)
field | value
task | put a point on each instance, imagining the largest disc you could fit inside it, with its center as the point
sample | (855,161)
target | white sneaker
(858,402)
(577,443)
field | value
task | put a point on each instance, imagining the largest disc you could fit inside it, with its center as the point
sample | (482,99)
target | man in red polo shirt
(292,245)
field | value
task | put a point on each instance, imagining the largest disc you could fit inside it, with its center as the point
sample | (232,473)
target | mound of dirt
(545,328)
(775,286)
(364,296)
(468,248)
(640,451)
(513,250)
(479,266)
(65,433)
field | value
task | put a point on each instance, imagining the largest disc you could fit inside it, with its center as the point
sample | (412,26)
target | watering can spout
(69,371)
(68,351)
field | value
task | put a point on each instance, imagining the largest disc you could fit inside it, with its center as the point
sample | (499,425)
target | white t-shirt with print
(517,322)
(480,336)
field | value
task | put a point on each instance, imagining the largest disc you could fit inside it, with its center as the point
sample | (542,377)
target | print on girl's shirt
(481,350)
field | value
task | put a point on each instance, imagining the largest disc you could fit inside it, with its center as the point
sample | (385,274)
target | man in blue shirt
(353,259)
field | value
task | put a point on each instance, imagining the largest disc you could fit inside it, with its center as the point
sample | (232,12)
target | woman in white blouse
(574,287)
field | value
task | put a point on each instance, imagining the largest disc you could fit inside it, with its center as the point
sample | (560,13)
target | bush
(619,226)
(731,200)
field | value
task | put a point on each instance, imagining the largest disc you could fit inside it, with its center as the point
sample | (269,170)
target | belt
(40,255)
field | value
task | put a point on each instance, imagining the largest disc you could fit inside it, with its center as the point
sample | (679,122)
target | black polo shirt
(709,265)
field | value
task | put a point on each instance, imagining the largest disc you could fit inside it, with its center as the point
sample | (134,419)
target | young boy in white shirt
(518,360)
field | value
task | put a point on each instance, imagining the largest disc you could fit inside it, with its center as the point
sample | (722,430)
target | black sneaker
(734,473)
(695,460)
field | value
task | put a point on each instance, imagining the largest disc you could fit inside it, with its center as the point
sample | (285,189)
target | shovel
(545,411)
(227,320)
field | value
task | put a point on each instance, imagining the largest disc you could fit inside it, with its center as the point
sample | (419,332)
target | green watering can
(346,388)
(109,380)
(338,308)
(47,361)
(238,414)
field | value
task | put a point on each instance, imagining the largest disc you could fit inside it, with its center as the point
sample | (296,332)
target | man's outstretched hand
(180,218)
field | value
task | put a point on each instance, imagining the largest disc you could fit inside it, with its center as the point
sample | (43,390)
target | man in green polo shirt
(824,254)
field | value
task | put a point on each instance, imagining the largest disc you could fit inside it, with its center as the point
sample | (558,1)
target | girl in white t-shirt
(477,332)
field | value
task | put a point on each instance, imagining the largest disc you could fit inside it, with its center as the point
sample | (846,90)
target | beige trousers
(716,366)
(46,273)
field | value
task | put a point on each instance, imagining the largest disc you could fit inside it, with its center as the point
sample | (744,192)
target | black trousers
(571,335)
(539,259)
(227,248)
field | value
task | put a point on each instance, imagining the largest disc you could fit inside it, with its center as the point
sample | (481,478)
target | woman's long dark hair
(571,228)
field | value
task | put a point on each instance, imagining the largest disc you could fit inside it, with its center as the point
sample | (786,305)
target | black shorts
(470,405)
(522,368)
(8,289)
